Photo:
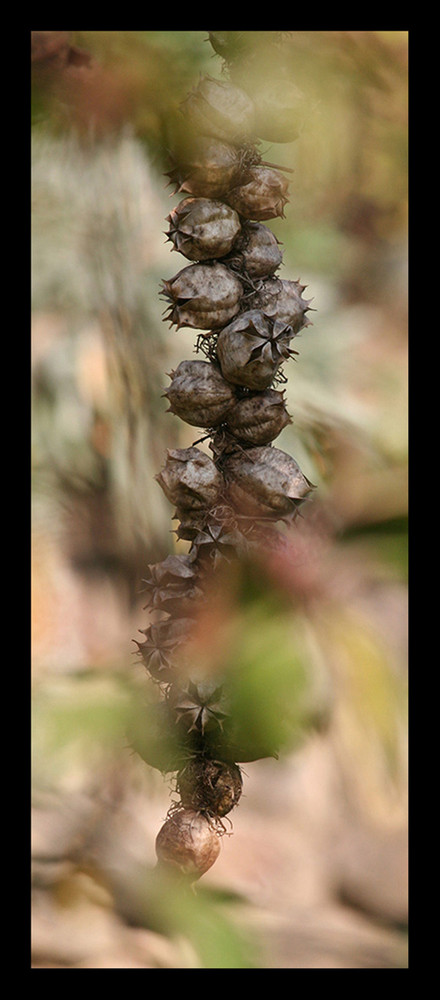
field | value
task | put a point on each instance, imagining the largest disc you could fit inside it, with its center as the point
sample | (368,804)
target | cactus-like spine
(249,317)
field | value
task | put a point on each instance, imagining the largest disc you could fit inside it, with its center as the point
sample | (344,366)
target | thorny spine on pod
(245,317)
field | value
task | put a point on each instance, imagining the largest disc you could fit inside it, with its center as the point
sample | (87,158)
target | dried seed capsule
(189,479)
(203,228)
(258,419)
(171,585)
(207,168)
(283,301)
(203,296)
(188,843)
(162,639)
(251,349)
(256,251)
(261,195)
(219,109)
(199,705)
(199,394)
(265,482)
(210,786)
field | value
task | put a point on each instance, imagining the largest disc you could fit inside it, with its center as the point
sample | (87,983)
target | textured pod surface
(199,706)
(203,228)
(251,349)
(262,195)
(187,843)
(190,479)
(210,786)
(207,169)
(256,251)
(199,394)
(162,640)
(258,419)
(203,296)
(266,482)
(283,301)
(218,108)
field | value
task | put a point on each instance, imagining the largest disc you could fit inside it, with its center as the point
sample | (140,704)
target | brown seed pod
(203,228)
(265,482)
(256,251)
(187,843)
(190,479)
(219,109)
(199,394)
(205,168)
(203,296)
(162,640)
(283,301)
(259,418)
(251,349)
(210,786)
(199,705)
(261,195)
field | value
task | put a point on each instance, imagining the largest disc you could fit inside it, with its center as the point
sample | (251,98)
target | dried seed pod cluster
(246,318)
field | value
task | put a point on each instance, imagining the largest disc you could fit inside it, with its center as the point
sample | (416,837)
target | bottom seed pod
(187,843)
(210,786)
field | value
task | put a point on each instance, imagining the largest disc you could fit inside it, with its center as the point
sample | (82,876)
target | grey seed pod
(256,251)
(218,108)
(251,349)
(283,301)
(203,228)
(261,195)
(190,479)
(207,168)
(265,482)
(203,296)
(199,394)
(259,418)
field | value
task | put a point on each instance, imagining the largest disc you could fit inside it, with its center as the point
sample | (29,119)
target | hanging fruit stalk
(246,318)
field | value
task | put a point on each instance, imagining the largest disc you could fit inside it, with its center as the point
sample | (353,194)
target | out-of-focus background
(314,874)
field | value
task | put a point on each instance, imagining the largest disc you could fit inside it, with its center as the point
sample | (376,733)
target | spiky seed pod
(203,296)
(259,418)
(199,705)
(207,168)
(266,482)
(173,568)
(190,479)
(256,251)
(188,844)
(251,349)
(162,640)
(203,228)
(283,301)
(261,195)
(199,394)
(171,585)
(219,109)
(216,542)
(209,786)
